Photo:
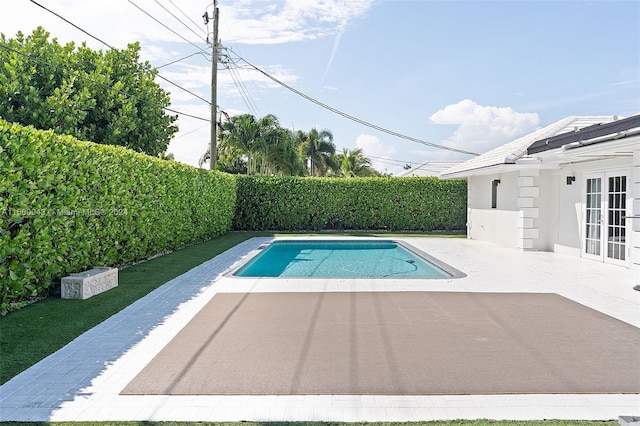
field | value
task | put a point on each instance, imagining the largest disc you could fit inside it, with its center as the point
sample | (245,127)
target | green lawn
(32,333)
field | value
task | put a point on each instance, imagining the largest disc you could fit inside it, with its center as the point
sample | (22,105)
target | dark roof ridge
(587,133)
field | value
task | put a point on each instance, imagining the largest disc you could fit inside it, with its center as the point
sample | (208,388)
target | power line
(181,59)
(186,90)
(390,160)
(179,20)
(242,89)
(191,131)
(69,22)
(352,118)
(189,18)
(103,85)
(164,25)
(111,47)
(188,115)
(228,58)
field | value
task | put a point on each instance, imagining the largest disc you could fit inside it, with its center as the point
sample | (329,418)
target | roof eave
(498,168)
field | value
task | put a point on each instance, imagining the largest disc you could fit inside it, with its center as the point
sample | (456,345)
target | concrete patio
(83,380)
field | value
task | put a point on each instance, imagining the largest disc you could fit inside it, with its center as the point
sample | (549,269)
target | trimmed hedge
(395,204)
(67,205)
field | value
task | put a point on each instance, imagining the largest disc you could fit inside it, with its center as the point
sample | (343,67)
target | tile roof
(510,152)
(428,169)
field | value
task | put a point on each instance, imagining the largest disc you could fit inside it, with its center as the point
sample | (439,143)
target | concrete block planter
(85,284)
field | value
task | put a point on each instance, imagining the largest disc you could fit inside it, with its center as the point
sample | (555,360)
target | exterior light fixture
(570,179)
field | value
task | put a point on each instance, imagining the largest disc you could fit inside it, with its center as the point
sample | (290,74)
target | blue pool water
(342,259)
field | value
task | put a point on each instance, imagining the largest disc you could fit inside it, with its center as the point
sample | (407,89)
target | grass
(36,331)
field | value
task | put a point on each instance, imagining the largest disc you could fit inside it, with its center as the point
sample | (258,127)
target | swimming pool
(344,259)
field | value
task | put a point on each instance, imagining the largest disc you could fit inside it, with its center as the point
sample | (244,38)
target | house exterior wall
(537,210)
(547,202)
(528,202)
(567,222)
(499,225)
(563,224)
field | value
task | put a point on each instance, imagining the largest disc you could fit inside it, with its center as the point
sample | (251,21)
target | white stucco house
(571,187)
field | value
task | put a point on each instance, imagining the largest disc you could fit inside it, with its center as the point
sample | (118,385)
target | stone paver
(82,381)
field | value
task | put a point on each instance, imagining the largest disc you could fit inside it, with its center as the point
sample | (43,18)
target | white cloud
(293,20)
(482,128)
(377,151)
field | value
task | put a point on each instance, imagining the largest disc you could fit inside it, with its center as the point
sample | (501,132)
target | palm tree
(282,154)
(319,149)
(237,143)
(354,163)
(257,146)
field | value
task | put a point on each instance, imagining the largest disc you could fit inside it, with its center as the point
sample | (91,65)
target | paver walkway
(83,380)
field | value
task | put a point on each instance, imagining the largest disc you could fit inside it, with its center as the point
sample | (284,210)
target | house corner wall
(635,222)
(495,225)
(529,208)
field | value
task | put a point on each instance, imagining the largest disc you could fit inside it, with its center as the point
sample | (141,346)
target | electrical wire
(164,25)
(103,85)
(182,59)
(229,30)
(186,90)
(244,93)
(351,117)
(188,115)
(179,20)
(69,22)
(392,161)
(189,18)
(111,47)
(190,131)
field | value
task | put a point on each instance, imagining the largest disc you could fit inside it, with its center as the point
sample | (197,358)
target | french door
(605,231)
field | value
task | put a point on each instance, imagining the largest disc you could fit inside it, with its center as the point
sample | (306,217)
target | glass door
(593,218)
(605,233)
(616,211)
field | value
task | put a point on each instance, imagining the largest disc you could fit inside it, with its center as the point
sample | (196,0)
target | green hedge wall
(397,204)
(67,205)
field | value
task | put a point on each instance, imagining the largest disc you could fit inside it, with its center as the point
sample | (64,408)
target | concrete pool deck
(83,380)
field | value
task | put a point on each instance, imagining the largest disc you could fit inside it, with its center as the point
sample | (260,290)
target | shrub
(395,204)
(67,205)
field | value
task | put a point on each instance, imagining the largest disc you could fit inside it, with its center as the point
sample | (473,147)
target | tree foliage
(318,147)
(248,145)
(104,97)
(354,163)
(257,146)
(67,205)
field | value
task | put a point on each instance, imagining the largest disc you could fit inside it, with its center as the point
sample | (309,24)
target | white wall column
(635,223)
(469,209)
(529,208)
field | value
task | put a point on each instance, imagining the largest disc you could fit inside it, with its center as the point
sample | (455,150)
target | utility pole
(214,87)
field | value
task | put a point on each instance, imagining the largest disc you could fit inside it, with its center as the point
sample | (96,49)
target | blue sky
(471,75)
